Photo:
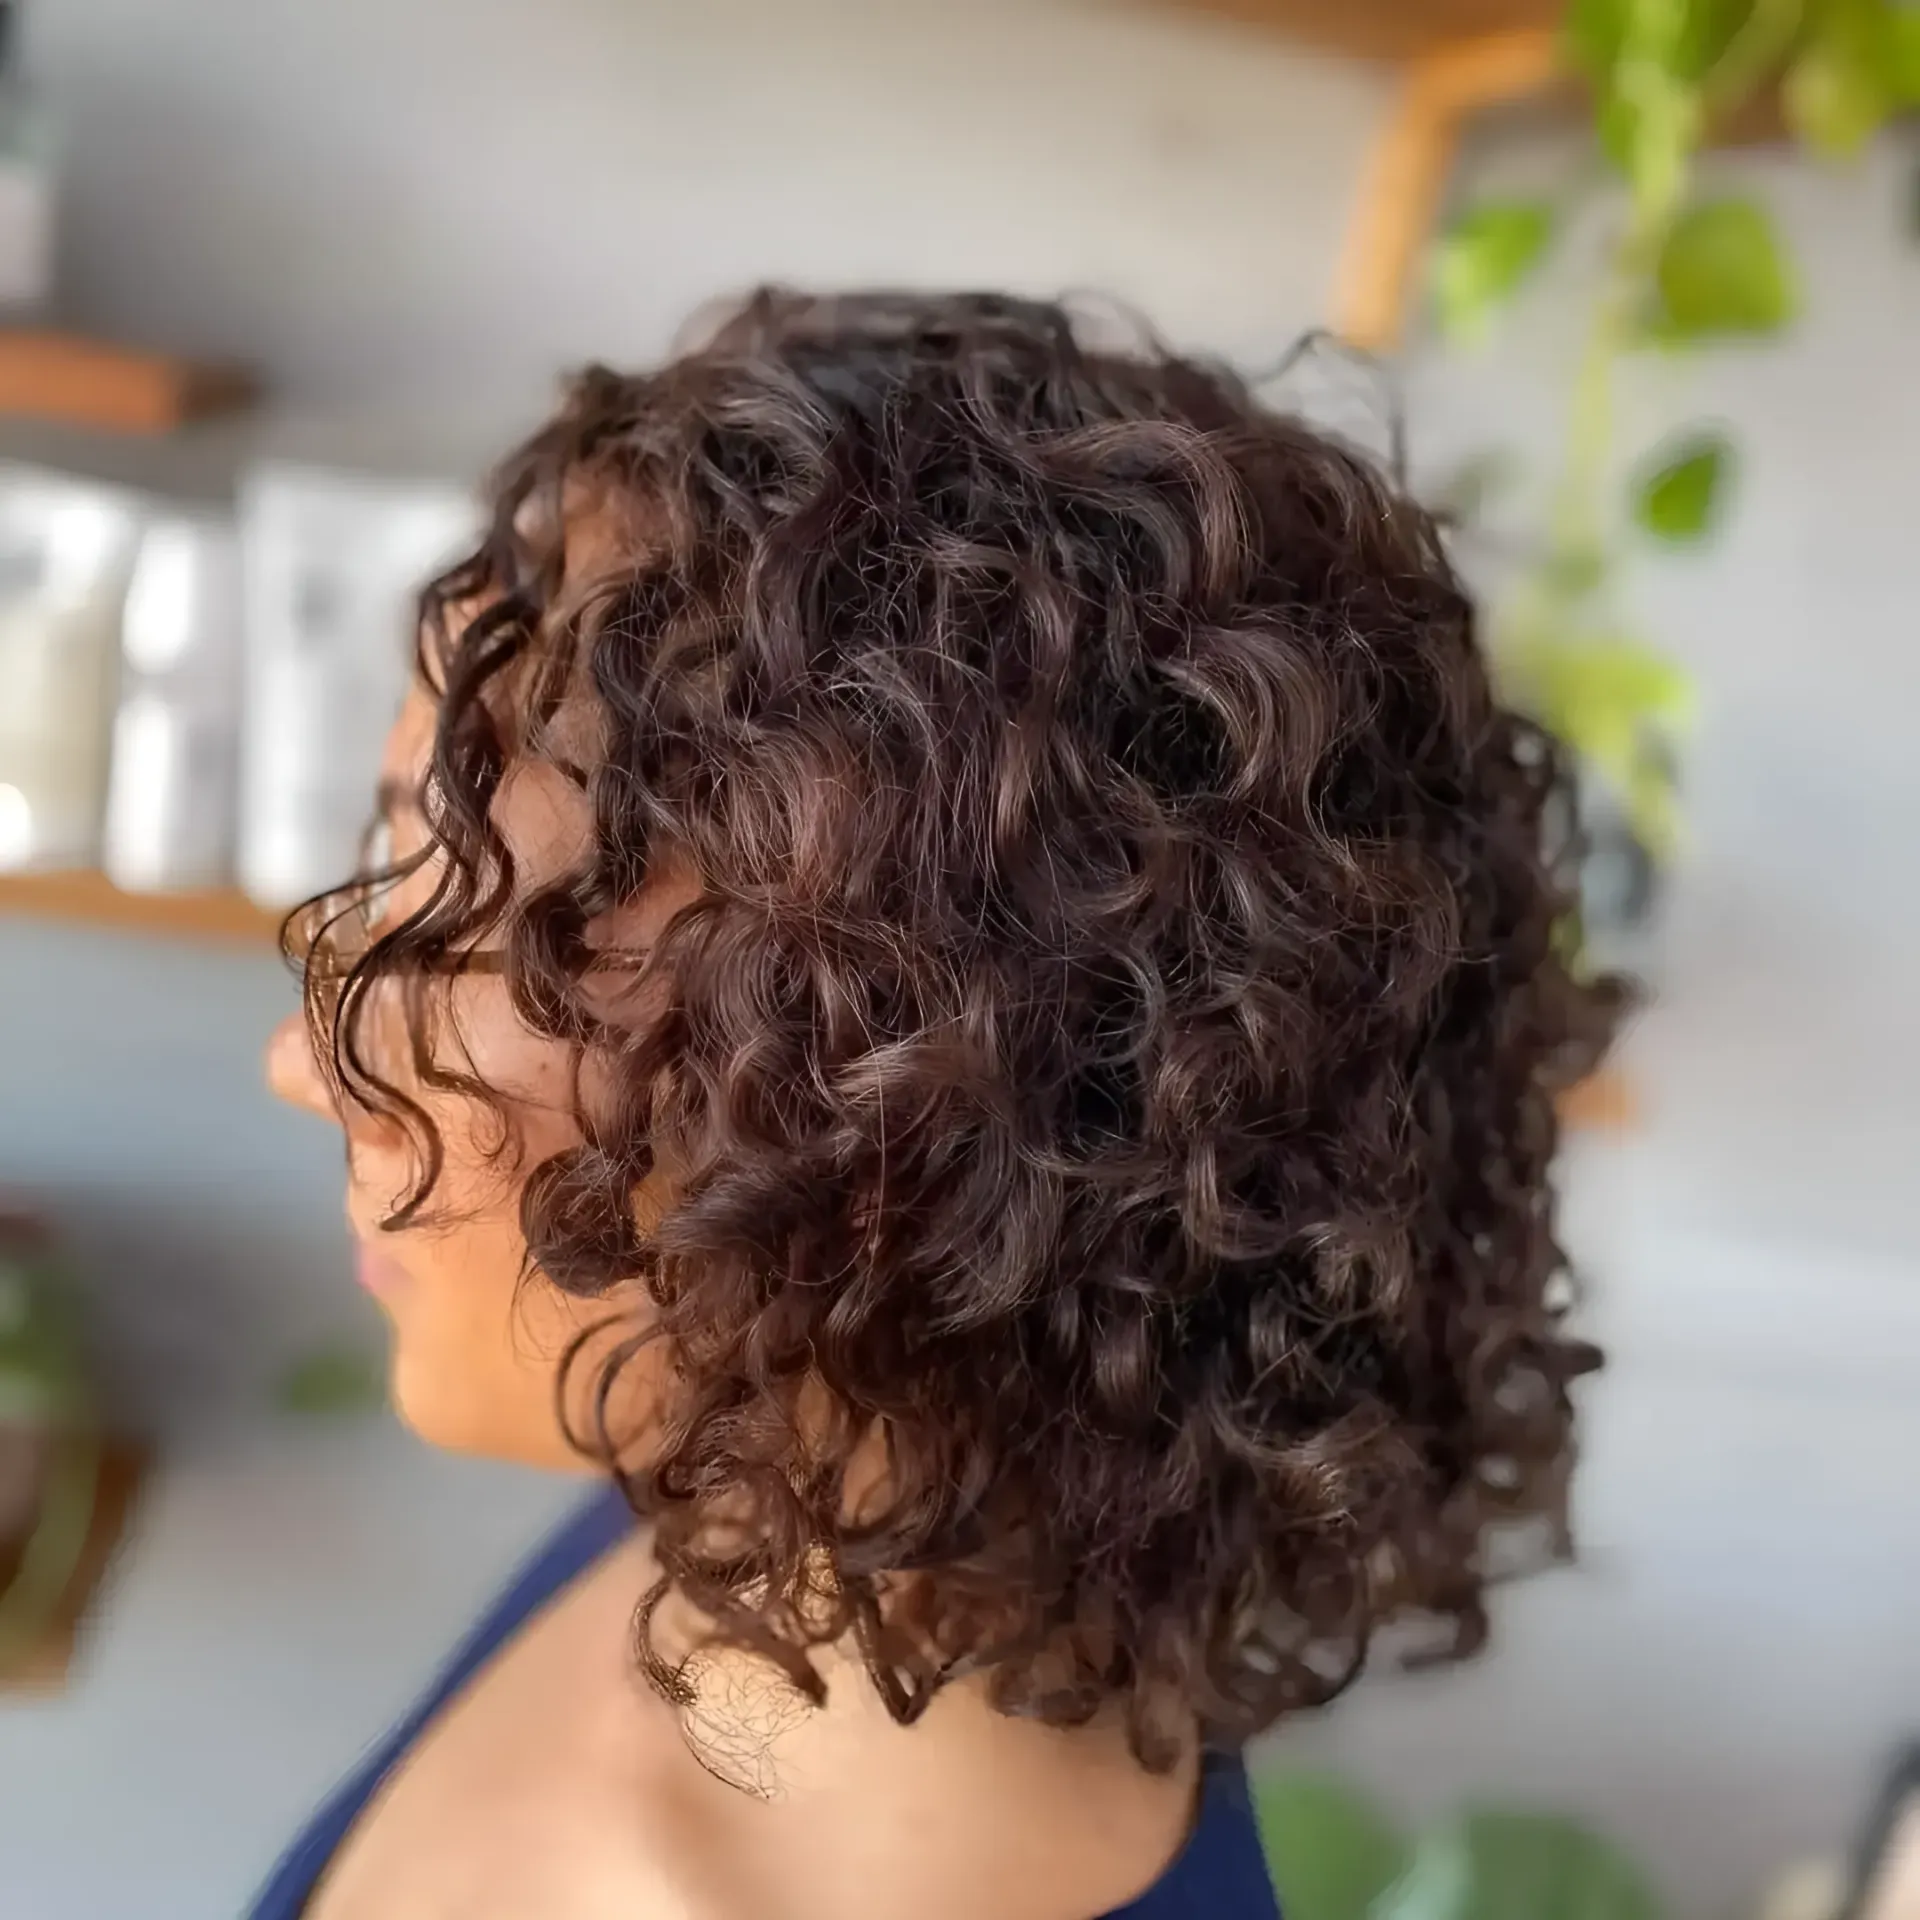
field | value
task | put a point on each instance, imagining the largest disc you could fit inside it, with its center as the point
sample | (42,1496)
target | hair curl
(1112,1055)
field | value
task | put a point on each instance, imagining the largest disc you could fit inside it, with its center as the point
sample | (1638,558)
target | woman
(959,999)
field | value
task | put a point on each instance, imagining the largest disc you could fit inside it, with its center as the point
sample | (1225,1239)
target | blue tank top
(1221,1873)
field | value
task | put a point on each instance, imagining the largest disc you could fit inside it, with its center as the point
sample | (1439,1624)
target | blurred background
(1643,287)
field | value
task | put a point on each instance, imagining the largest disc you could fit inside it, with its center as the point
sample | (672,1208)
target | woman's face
(477,1341)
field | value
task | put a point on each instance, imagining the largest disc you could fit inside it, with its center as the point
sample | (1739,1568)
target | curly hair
(1109,1066)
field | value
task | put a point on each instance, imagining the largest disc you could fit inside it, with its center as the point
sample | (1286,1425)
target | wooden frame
(1441,92)
(1406,178)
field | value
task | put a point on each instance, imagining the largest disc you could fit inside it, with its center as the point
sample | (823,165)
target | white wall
(419,208)
(432,204)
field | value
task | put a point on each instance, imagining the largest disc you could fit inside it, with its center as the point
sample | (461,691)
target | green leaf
(1721,272)
(1330,1850)
(1483,258)
(1681,495)
(1839,92)
(1508,1866)
(1649,132)
(333,1380)
(1650,64)
(1594,34)
(43,1376)
(1597,688)
(1648,111)
(1903,55)
(47,1559)
(1616,704)
(1833,104)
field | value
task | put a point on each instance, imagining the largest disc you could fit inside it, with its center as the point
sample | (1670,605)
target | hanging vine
(1682,269)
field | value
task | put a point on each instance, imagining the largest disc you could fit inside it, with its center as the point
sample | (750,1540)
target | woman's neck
(1069,1821)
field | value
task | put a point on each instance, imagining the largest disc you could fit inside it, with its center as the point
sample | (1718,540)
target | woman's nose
(292,1071)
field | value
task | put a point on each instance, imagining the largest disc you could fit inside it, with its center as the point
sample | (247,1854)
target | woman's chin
(451,1411)
(423,1405)
(445,1413)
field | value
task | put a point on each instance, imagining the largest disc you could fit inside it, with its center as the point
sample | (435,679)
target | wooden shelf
(1605,1102)
(90,899)
(89,383)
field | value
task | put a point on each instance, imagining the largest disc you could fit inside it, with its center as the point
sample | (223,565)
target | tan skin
(557,1784)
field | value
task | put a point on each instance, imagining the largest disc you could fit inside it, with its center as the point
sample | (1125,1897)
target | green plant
(1682,270)
(44,1398)
(1335,1856)
(332,1380)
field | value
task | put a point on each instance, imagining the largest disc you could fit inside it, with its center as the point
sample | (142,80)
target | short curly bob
(1109,1067)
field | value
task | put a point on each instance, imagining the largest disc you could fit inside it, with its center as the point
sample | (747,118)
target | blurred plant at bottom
(1336,1856)
(50,1442)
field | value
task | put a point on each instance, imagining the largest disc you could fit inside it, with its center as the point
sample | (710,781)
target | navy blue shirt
(1220,1874)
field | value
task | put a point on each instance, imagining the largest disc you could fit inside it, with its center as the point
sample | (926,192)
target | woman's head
(966,994)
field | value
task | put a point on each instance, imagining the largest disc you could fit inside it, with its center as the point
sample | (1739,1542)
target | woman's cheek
(487,1144)
(484,1035)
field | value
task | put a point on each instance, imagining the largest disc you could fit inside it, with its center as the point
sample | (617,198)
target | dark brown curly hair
(1109,1067)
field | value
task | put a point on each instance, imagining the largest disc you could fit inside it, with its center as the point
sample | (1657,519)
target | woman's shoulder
(1221,1873)
(586,1535)
(1218,1873)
